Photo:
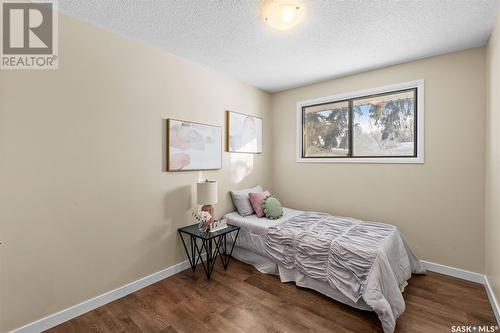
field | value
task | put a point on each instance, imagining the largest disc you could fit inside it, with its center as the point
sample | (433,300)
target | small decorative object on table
(203,218)
(218,225)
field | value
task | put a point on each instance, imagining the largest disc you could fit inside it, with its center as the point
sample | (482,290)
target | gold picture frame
(193,146)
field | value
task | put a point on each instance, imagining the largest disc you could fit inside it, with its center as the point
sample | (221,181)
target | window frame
(417,158)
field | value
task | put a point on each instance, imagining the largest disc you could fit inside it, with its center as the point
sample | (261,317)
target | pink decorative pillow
(256,199)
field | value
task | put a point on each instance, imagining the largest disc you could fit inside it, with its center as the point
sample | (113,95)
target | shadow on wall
(154,243)
(177,205)
(241,166)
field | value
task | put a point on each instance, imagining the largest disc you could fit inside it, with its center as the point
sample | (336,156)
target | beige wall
(85,203)
(439,206)
(493,161)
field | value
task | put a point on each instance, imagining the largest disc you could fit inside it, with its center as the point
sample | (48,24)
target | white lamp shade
(206,193)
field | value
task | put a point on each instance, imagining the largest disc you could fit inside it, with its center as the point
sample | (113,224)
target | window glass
(326,130)
(384,125)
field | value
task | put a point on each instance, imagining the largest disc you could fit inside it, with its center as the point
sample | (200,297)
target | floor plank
(244,300)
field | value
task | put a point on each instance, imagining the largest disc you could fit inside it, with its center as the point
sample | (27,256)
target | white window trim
(419,84)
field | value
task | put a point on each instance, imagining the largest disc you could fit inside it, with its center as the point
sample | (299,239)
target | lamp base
(209,209)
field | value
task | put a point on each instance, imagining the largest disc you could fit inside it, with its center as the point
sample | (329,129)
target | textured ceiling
(335,39)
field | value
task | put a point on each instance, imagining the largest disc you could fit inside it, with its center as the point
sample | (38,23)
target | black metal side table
(211,243)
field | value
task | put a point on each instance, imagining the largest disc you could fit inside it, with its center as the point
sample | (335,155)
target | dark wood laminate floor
(244,300)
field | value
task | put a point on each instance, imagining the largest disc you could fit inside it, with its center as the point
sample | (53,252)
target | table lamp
(206,193)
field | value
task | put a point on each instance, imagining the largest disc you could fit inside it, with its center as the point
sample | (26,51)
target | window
(380,125)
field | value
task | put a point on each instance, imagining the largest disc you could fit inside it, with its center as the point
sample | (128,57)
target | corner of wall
(492,156)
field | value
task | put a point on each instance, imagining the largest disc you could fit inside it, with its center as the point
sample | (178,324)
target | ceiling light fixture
(283,14)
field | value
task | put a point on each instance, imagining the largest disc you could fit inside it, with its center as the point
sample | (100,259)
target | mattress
(253,228)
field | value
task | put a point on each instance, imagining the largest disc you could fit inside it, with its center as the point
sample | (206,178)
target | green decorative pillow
(272,208)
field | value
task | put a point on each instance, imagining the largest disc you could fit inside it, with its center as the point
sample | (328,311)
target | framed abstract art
(193,146)
(243,133)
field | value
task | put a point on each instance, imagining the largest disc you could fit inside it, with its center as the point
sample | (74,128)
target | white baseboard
(455,272)
(469,276)
(91,304)
(493,299)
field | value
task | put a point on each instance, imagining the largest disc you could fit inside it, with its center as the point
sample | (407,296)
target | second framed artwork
(243,133)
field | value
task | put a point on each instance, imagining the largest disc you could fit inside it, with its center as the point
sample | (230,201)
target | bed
(359,263)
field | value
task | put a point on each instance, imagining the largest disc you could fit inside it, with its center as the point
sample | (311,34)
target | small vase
(202,226)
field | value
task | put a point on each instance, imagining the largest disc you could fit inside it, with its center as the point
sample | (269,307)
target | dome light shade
(283,14)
